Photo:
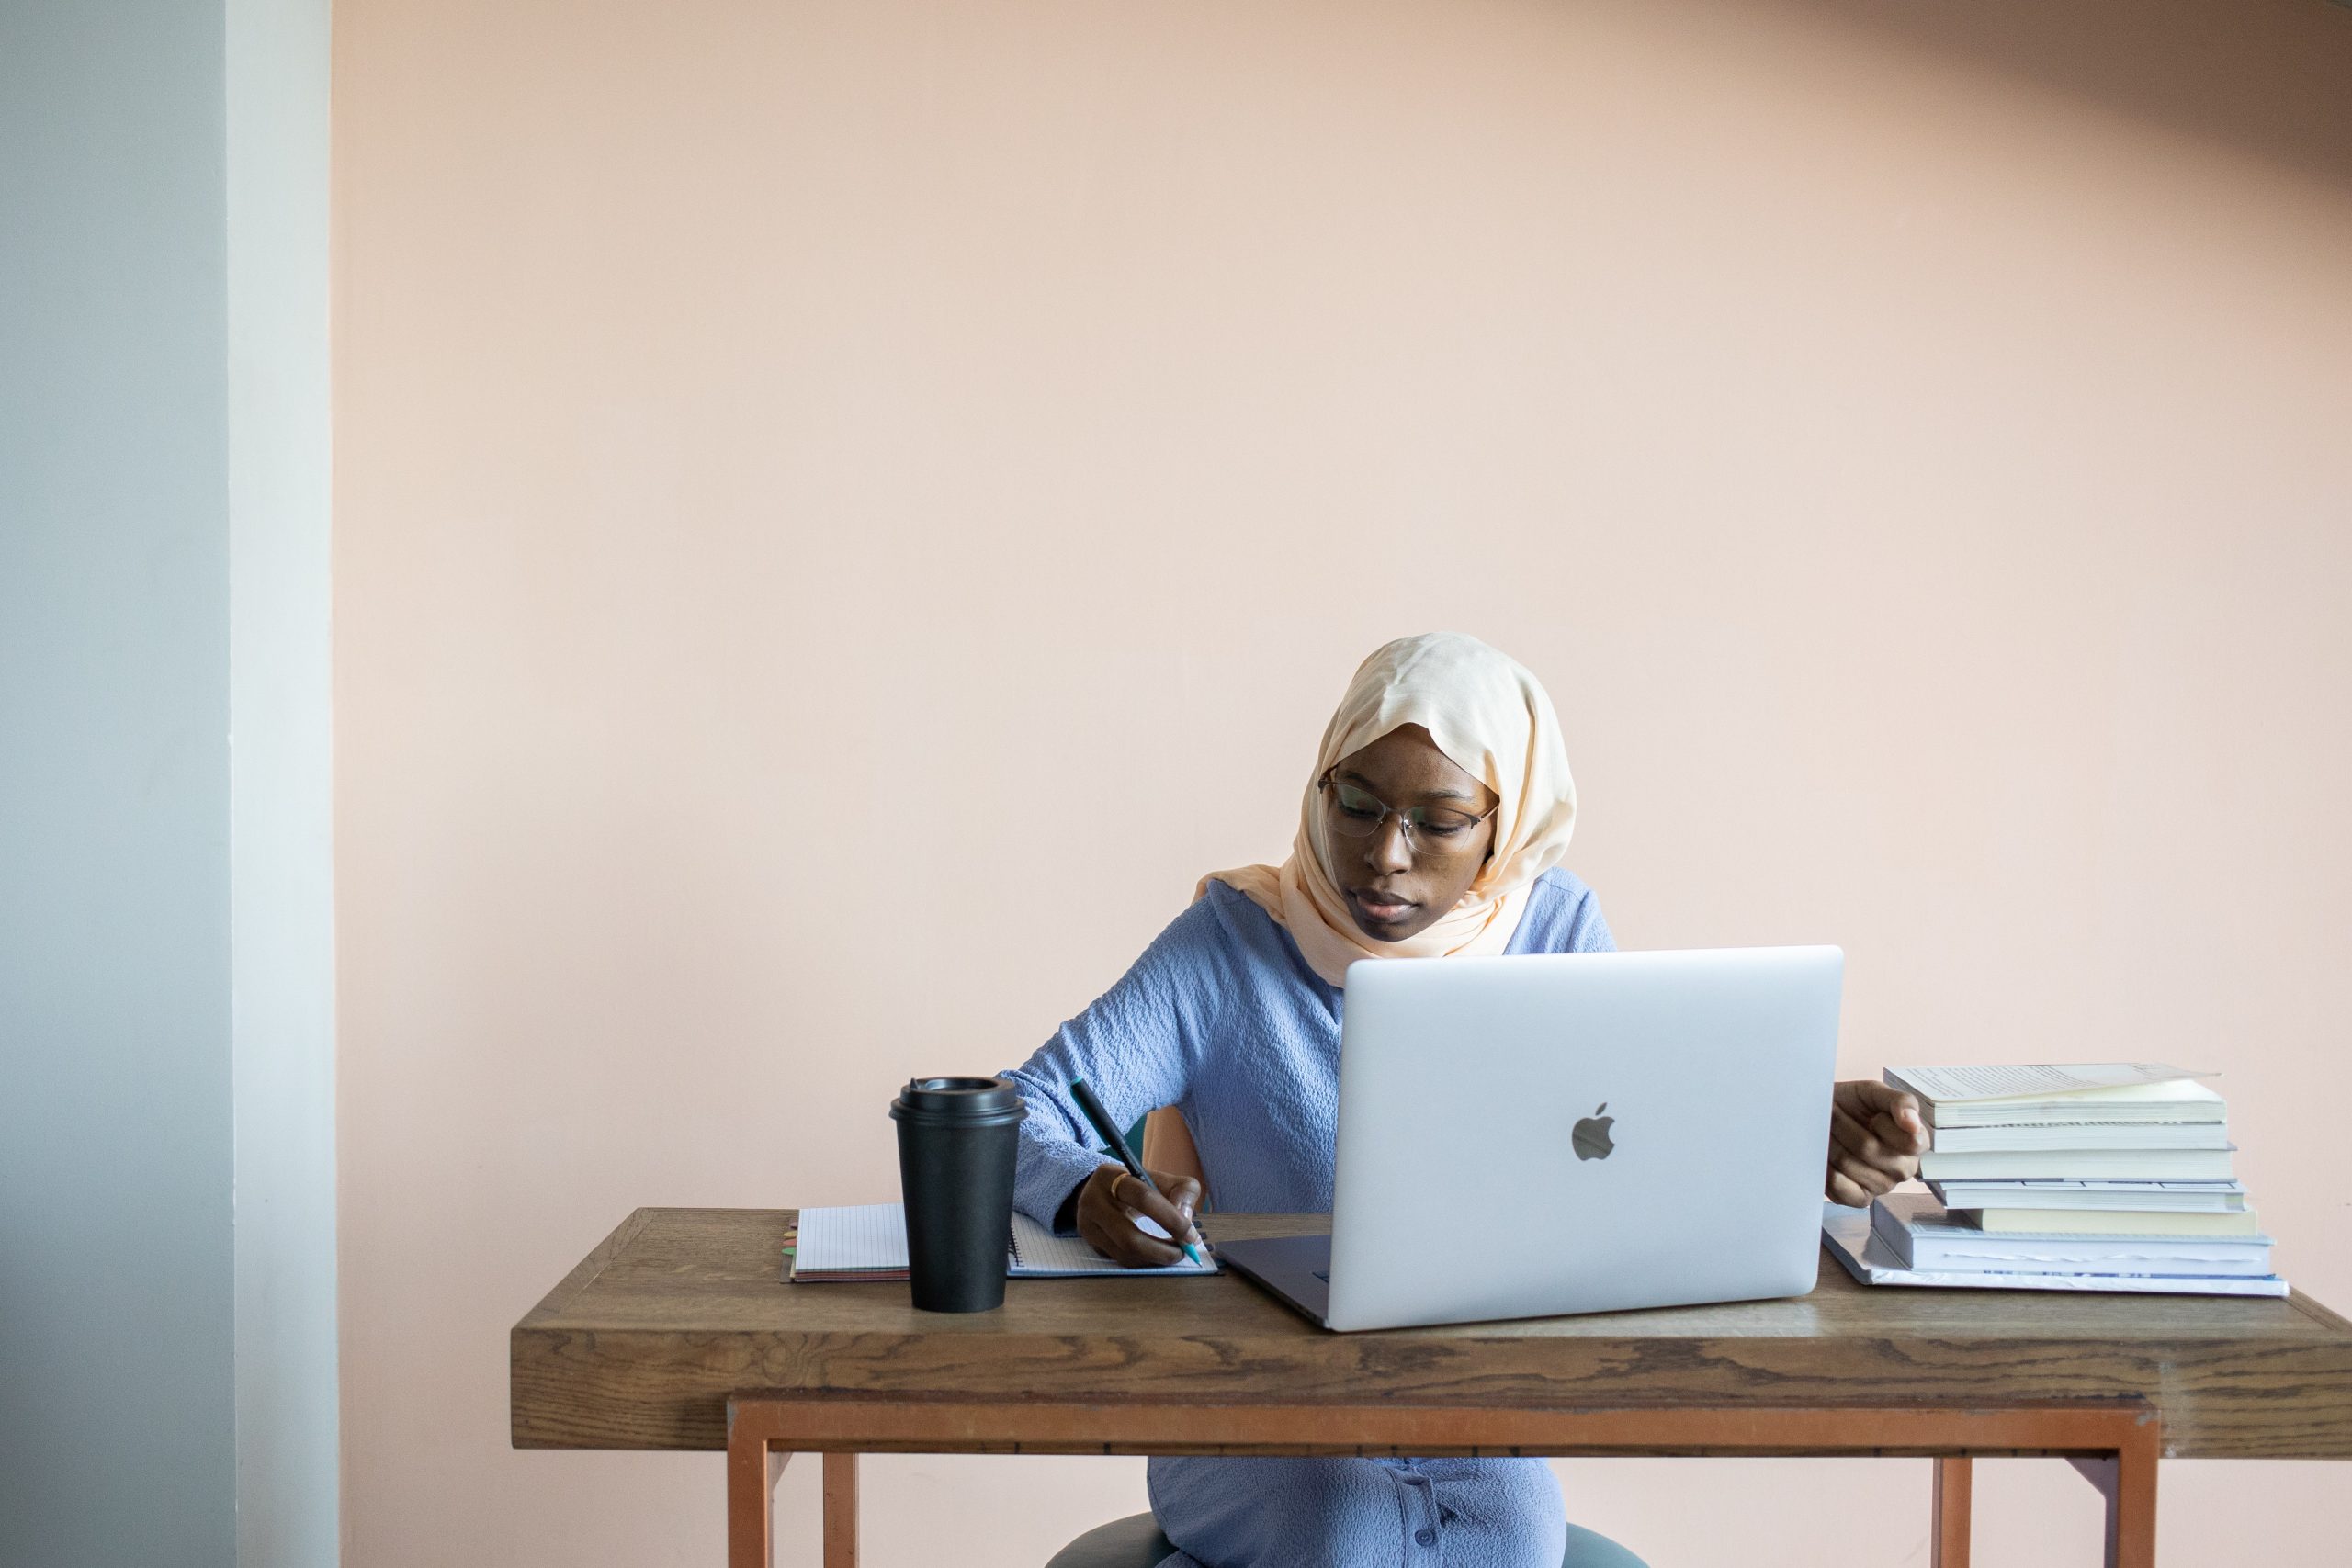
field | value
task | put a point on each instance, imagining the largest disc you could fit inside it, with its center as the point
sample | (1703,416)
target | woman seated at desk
(1433,828)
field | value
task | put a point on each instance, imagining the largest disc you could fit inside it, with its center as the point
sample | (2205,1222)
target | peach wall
(845,509)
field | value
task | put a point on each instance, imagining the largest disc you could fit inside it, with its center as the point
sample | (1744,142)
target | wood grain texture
(835,1424)
(641,1345)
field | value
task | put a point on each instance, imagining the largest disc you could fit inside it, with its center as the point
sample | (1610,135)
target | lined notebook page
(865,1235)
(1038,1253)
(872,1238)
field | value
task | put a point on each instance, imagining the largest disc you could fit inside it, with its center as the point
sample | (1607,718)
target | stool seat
(1135,1542)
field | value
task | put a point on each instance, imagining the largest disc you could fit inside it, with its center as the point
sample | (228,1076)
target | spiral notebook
(868,1241)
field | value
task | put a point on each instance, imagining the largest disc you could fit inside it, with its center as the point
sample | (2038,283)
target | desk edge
(585,1272)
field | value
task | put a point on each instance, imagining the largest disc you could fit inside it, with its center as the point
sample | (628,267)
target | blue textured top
(1222,1018)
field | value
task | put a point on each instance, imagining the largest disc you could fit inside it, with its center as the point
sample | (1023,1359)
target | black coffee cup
(956,1138)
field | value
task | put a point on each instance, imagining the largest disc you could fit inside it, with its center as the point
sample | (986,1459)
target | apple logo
(1591,1134)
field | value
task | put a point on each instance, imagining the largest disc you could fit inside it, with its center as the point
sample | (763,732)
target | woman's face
(1398,881)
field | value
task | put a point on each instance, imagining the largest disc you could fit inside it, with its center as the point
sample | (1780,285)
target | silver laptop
(1526,1136)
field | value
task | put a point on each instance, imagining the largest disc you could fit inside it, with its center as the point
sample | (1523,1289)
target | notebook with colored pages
(868,1241)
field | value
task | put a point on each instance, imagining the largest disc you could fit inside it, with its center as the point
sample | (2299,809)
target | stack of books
(2106,1177)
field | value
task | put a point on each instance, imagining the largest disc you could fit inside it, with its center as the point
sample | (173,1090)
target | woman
(1434,827)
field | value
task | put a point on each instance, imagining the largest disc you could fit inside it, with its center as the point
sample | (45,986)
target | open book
(868,1241)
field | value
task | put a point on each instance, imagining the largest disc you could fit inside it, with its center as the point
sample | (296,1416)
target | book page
(2031,1081)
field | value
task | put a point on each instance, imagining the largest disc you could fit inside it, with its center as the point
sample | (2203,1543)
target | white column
(280,819)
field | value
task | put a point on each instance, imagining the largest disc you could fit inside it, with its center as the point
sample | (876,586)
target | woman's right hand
(1108,1203)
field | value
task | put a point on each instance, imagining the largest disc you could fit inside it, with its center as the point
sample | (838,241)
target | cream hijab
(1493,720)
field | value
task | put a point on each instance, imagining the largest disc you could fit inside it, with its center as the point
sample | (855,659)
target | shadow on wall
(2271,79)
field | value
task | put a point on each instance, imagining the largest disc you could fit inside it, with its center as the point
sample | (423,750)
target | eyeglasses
(1355,812)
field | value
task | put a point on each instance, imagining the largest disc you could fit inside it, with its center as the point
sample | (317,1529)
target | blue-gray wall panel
(116,1411)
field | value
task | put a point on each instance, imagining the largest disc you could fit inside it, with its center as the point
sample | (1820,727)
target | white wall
(281,881)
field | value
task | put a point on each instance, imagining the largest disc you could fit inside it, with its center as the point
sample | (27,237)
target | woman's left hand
(1876,1136)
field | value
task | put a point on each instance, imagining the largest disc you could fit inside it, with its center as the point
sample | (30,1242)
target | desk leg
(751,1470)
(753,1466)
(1955,1482)
(2128,1481)
(841,1511)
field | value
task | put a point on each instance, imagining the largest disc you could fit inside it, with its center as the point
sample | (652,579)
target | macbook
(1570,1133)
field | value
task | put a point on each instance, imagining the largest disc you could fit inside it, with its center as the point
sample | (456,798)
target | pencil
(1109,1133)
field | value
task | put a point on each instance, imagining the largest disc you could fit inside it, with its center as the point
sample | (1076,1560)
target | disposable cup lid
(974,1100)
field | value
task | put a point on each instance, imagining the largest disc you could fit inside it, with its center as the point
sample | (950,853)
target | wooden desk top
(641,1346)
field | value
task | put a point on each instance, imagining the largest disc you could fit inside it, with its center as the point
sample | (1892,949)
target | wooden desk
(675,1333)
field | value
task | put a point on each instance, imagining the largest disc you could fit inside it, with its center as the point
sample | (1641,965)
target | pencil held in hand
(1125,1221)
(1134,1188)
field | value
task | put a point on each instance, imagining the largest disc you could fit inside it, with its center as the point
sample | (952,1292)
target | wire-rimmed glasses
(1354,812)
